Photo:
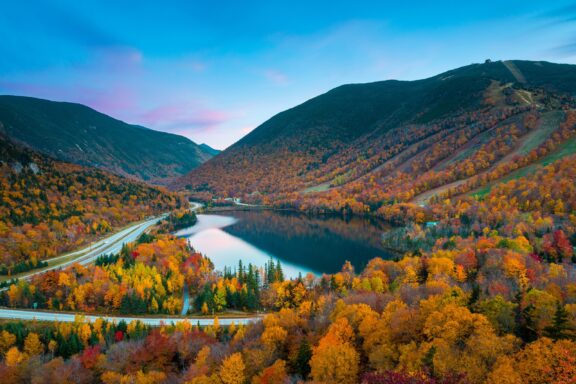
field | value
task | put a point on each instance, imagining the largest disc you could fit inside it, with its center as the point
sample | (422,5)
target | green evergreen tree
(423,270)
(240,273)
(560,327)
(270,268)
(428,360)
(474,296)
(122,326)
(302,365)
(125,254)
(279,274)
(527,327)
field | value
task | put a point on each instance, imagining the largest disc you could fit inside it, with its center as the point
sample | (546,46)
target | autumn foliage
(484,292)
(49,207)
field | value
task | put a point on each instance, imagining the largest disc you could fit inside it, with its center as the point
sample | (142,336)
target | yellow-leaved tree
(14,357)
(6,341)
(335,360)
(33,345)
(232,370)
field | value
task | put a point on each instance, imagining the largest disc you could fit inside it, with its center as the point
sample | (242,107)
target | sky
(214,70)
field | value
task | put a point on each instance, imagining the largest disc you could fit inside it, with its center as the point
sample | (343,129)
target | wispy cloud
(113,100)
(562,14)
(197,65)
(24,88)
(74,26)
(183,117)
(561,17)
(565,50)
(116,59)
(276,77)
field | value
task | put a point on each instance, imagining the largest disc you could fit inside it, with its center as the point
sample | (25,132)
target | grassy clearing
(550,122)
(566,149)
(318,188)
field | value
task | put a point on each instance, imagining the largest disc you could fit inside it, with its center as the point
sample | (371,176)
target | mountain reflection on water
(303,243)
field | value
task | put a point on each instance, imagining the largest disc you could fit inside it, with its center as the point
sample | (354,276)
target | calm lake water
(302,243)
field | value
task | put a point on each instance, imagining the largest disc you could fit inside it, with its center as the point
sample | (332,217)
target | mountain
(208,149)
(48,206)
(78,134)
(395,140)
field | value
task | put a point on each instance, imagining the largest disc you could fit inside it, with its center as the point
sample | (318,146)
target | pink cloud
(113,59)
(114,99)
(123,102)
(183,117)
(23,88)
(276,77)
(197,66)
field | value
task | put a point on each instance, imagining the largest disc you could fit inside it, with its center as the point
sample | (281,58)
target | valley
(417,232)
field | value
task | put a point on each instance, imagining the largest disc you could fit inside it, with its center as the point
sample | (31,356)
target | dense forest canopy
(476,168)
(48,207)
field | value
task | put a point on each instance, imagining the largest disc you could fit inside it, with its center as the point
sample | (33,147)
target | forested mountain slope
(81,135)
(484,292)
(362,145)
(48,207)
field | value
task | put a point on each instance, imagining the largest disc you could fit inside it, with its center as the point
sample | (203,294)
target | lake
(302,243)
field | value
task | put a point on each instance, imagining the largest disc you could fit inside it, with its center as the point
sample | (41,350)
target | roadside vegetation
(49,207)
(483,292)
(486,295)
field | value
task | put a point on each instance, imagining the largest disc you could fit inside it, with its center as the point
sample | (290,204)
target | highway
(194,206)
(18,314)
(105,246)
(113,244)
(87,255)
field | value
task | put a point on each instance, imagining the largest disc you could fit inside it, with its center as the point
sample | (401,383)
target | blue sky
(213,71)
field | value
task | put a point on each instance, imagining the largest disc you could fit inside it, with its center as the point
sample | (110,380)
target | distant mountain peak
(340,135)
(79,134)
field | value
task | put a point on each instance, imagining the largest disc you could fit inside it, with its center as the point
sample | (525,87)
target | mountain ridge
(335,138)
(209,149)
(502,73)
(77,133)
